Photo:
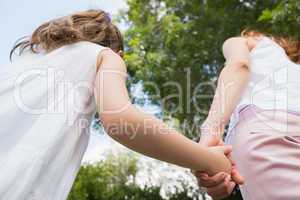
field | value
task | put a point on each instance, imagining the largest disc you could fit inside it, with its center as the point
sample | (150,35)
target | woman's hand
(218,186)
(210,140)
(232,82)
(222,184)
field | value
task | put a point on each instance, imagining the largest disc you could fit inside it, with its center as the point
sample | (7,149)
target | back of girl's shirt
(47,105)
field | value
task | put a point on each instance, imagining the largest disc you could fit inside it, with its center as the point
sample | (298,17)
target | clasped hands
(222,184)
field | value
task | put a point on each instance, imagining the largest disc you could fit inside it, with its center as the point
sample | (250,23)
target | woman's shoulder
(241,41)
(235,50)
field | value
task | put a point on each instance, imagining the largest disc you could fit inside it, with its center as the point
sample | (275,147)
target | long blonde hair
(290,45)
(91,25)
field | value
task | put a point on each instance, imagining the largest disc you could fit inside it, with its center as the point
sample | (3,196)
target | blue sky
(20,18)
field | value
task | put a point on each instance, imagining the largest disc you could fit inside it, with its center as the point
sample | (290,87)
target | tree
(111,179)
(114,179)
(174,48)
(284,19)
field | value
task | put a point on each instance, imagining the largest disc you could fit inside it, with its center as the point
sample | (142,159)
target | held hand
(212,140)
(220,185)
(222,163)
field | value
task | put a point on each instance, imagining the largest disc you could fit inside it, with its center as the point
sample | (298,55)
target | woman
(47,98)
(260,88)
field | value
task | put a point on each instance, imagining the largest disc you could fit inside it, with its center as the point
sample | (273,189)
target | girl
(260,88)
(47,99)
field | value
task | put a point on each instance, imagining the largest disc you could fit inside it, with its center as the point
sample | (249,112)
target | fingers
(226,149)
(222,190)
(236,177)
(206,181)
(218,186)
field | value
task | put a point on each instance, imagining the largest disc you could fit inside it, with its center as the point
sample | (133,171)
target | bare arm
(231,84)
(232,81)
(143,132)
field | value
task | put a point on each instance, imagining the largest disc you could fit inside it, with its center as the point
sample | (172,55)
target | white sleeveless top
(47,105)
(274,81)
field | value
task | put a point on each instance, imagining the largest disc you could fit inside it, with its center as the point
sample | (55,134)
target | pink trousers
(266,148)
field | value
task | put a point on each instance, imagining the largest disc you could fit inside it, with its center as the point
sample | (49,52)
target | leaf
(267,15)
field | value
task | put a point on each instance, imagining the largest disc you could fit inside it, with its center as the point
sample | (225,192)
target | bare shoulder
(108,59)
(236,51)
(240,42)
(235,42)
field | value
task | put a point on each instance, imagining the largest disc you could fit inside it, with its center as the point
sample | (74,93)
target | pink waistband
(252,111)
(272,120)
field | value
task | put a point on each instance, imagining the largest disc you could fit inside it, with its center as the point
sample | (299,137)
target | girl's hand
(222,184)
(220,154)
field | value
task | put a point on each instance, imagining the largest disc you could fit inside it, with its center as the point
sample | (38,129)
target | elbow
(239,67)
(111,124)
(242,71)
(238,64)
(117,125)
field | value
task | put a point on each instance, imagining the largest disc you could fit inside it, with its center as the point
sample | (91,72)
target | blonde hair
(91,25)
(290,45)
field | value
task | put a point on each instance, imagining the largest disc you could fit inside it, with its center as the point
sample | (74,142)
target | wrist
(212,128)
(217,162)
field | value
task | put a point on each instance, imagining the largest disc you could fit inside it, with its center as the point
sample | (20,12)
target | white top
(47,105)
(274,81)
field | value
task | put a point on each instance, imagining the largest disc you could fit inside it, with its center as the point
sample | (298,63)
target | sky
(20,18)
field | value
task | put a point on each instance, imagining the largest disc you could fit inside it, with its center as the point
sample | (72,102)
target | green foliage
(114,179)
(284,19)
(179,42)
